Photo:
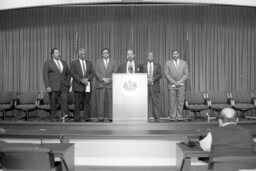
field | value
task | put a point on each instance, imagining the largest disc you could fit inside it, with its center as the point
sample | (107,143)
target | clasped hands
(106,80)
(178,83)
(85,81)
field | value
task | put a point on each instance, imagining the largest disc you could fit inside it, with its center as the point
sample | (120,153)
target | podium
(130,97)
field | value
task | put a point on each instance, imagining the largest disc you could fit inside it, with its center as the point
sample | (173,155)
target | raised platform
(171,131)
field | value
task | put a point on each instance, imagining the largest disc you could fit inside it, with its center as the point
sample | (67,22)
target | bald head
(228,115)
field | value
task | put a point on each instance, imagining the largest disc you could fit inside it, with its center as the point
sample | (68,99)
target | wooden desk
(59,150)
(185,153)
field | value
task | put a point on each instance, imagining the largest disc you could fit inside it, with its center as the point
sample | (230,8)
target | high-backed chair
(29,158)
(233,163)
(196,102)
(44,104)
(26,102)
(242,101)
(71,105)
(218,100)
(6,102)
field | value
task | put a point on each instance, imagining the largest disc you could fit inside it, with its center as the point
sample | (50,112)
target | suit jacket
(231,140)
(122,68)
(53,78)
(157,75)
(77,74)
(174,74)
(101,71)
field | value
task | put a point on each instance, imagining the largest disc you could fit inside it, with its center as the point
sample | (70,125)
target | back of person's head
(228,115)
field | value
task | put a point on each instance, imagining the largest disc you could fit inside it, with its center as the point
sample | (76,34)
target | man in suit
(56,78)
(104,68)
(82,73)
(176,72)
(229,139)
(154,72)
(130,66)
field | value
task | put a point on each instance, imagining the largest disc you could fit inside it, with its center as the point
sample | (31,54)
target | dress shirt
(83,62)
(133,66)
(176,63)
(150,64)
(59,64)
(106,61)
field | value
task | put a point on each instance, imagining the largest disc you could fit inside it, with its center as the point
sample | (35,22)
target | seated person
(229,139)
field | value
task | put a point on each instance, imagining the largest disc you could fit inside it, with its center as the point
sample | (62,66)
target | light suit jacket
(174,74)
(101,72)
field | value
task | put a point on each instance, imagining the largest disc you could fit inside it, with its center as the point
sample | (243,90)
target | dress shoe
(171,118)
(180,119)
(157,120)
(100,119)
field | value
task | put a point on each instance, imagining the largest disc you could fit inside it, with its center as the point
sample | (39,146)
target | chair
(196,102)
(233,163)
(242,101)
(29,158)
(26,102)
(6,102)
(44,104)
(71,105)
(218,100)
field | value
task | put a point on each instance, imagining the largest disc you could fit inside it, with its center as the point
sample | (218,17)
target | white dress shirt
(152,68)
(106,61)
(127,66)
(59,64)
(176,63)
(83,68)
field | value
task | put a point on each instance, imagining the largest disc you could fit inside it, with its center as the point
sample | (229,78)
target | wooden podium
(130,98)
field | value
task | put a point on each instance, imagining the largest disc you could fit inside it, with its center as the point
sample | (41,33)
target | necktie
(58,65)
(130,68)
(84,67)
(106,63)
(150,72)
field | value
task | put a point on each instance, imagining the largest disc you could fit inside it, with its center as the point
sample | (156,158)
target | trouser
(176,101)
(57,97)
(104,102)
(154,99)
(82,99)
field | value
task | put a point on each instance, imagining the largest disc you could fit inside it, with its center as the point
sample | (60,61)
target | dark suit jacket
(122,68)
(77,74)
(101,71)
(231,140)
(157,75)
(53,78)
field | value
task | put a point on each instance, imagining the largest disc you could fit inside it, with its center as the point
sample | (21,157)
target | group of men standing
(57,76)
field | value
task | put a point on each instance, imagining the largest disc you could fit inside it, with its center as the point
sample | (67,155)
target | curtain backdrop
(218,42)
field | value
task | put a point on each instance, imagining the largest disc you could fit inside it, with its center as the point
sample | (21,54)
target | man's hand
(48,89)
(84,81)
(179,83)
(150,80)
(106,80)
